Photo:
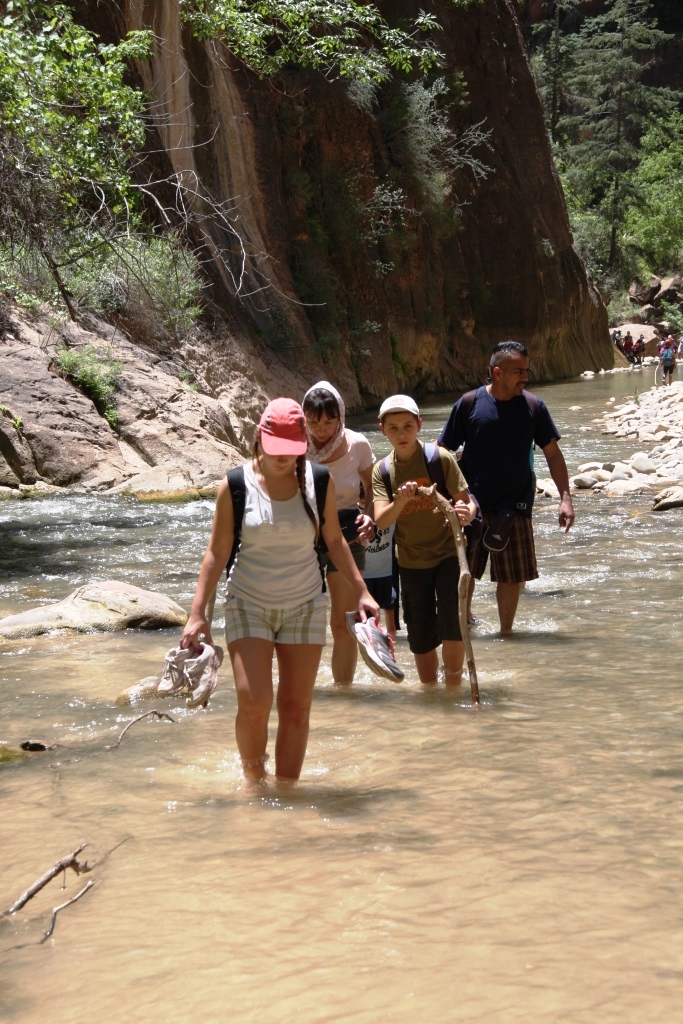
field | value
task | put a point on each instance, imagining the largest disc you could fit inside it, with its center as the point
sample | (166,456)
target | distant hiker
(639,349)
(428,564)
(497,424)
(667,359)
(627,347)
(274,597)
(349,458)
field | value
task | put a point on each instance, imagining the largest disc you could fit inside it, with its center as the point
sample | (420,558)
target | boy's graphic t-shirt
(378,555)
(423,534)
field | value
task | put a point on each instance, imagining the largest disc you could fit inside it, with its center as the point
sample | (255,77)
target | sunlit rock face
(421,309)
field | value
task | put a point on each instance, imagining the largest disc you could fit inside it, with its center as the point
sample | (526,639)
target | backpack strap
(435,468)
(532,402)
(321,478)
(385,473)
(238,493)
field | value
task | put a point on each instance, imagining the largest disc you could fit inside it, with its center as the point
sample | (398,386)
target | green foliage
(654,220)
(16,421)
(611,130)
(672,315)
(619,309)
(95,372)
(435,151)
(69,122)
(337,37)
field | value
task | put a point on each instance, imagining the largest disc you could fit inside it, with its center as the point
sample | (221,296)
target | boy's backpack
(238,493)
(667,356)
(435,471)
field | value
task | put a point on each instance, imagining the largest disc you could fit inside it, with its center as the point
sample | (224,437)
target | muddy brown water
(435,863)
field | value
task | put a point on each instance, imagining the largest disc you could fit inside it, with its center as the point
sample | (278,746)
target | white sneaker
(173,676)
(376,647)
(201,674)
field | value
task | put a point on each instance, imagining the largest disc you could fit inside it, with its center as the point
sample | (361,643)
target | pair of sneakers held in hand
(189,670)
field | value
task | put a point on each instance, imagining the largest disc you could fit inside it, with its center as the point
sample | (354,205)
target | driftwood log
(444,506)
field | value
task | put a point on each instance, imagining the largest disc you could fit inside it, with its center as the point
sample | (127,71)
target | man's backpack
(238,493)
(435,471)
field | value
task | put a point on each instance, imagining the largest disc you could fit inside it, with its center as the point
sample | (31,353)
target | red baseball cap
(283,428)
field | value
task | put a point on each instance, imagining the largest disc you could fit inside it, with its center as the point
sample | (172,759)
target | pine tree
(612,109)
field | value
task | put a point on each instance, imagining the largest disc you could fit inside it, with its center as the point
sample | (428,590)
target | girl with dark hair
(349,458)
(274,598)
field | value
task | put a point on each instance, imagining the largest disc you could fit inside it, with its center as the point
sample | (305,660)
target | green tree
(337,37)
(552,60)
(612,108)
(654,219)
(69,128)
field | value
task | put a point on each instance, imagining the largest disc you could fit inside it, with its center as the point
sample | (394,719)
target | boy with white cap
(427,559)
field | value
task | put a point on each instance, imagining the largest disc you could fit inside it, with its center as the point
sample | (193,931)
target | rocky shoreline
(655,420)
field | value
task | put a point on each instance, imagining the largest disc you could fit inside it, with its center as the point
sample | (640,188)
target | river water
(522,862)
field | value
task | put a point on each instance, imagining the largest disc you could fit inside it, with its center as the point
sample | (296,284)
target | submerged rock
(670,497)
(108,606)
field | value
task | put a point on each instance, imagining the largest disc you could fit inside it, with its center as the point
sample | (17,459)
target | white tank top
(276,565)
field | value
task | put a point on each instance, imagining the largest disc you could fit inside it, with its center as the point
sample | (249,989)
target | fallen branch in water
(66,862)
(442,505)
(55,910)
(159,714)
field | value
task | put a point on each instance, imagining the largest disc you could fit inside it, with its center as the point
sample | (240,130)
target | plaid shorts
(304,624)
(516,563)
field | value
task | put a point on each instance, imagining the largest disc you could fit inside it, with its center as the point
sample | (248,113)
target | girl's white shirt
(346,470)
(276,565)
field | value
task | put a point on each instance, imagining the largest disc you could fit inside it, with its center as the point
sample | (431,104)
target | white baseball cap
(398,403)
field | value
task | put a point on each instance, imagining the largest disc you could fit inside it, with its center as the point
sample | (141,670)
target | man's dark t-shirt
(497,437)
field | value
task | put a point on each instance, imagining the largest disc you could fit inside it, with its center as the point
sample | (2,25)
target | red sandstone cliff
(291,157)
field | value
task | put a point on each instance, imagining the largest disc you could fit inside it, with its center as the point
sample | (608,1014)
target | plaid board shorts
(516,563)
(304,624)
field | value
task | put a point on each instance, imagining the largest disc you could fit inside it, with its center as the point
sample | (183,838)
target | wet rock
(145,689)
(670,497)
(546,487)
(108,606)
(584,481)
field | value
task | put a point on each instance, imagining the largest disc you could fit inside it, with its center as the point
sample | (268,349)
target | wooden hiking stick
(442,505)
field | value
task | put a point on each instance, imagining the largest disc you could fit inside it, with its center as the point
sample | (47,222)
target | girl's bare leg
(390,620)
(345,650)
(252,666)
(298,664)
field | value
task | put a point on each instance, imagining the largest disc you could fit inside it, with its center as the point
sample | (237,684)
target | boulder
(108,606)
(584,481)
(547,487)
(644,293)
(642,463)
(668,291)
(146,689)
(670,497)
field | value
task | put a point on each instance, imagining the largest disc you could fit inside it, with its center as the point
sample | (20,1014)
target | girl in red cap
(274,593)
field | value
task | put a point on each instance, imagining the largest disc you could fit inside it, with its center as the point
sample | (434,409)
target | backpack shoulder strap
(321,478)
(238,493)
(532,402)
(434,464)
(385,473)
(465,411)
